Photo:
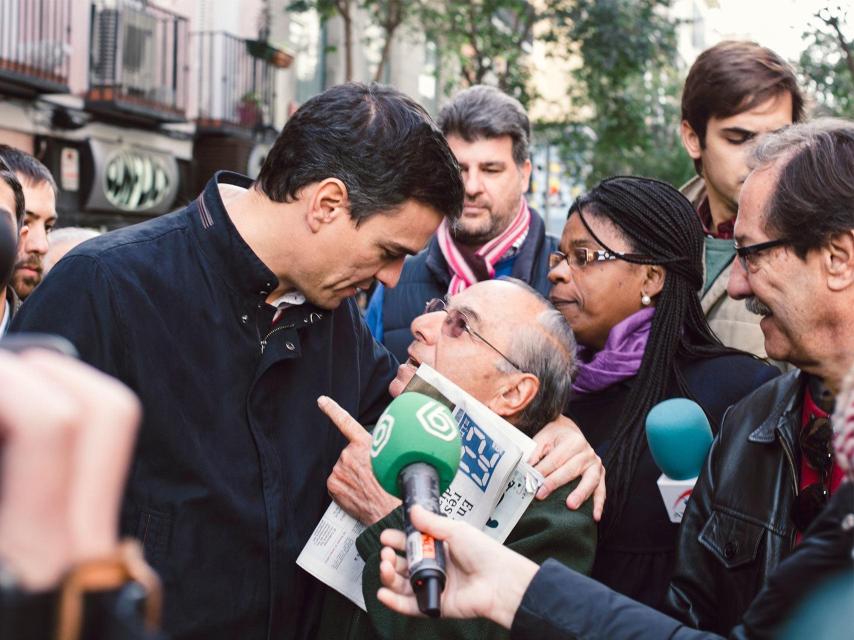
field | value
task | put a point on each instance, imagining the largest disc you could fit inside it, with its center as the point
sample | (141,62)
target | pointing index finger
(347,424)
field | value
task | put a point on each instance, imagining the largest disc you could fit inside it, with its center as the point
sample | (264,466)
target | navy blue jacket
(229,475)
(427,275)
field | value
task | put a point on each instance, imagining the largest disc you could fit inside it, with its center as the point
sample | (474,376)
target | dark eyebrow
(739,131)
(583,242)
(398,249)
(49,218)
(742,241)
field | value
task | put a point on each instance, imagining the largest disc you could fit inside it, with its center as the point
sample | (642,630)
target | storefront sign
(69,169)
(131,178)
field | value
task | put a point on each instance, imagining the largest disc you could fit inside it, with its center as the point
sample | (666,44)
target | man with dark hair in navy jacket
(228,318)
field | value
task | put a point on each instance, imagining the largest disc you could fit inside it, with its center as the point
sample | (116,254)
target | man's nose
(473,182)
(34,239)
(389,274)
(426,327)
(738,286)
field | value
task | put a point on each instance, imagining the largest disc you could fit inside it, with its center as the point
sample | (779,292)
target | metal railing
(35,43)
(236,88)
(138,58)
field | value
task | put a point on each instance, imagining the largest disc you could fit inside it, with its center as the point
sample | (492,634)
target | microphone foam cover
(679,437)
(415,428)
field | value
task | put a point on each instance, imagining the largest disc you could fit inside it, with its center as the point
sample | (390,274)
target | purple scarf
(619,359)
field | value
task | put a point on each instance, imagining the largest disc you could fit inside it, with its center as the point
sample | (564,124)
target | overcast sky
(777,24)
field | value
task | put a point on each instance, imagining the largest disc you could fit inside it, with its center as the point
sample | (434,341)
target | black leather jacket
(737,525)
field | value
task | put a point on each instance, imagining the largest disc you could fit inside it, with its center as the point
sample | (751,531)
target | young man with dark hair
(734,93)
(229,318)
(40,197)
(497,234)
(11,218)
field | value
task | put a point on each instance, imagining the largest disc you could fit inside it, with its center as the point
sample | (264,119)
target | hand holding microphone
(679,438)
(415,453)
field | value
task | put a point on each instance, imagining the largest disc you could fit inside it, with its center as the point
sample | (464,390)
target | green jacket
(547,530)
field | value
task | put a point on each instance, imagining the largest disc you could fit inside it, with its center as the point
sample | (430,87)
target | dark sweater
(637,559)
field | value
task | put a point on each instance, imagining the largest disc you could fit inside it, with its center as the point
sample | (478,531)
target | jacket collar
(784,417)
(436,263)
(12,300)
(523,267)
(226,251)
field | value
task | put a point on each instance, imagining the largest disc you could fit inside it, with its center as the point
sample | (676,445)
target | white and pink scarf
(480,265)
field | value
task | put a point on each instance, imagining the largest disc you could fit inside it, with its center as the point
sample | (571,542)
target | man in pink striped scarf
(497,234)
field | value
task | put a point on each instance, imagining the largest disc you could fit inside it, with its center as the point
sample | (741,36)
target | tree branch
(390,22)
(530,19)
(479,66)
(833,23)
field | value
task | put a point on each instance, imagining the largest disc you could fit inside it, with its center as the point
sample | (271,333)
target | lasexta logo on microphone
(679,505)
(436,421)
(382,433)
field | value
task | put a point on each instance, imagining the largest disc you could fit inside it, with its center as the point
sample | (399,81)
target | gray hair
(72,234)
(486,112)
(65,238)
(814,195)
(547,350)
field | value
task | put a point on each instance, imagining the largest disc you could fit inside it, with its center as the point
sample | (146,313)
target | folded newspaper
(492,489)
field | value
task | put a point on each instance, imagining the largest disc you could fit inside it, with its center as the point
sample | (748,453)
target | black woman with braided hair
(626,278)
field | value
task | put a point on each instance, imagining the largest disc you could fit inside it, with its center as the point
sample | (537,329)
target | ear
(326,203)
(654,281)
(515,395)
(690,140)
(525,170)
(838,258)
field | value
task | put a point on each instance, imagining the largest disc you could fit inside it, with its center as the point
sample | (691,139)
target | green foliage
(827,62)
(325,8)
(389,15)
(629,79)
(485,42)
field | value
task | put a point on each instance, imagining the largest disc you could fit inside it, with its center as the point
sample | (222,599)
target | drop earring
(645,300)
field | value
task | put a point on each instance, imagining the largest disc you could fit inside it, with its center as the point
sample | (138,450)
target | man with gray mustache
(770,470)
(754,306)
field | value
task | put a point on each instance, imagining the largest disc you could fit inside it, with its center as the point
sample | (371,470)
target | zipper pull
(263,345)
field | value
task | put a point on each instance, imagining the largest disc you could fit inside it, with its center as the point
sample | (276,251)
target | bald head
(503,343)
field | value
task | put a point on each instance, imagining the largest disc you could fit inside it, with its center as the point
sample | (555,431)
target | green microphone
(415,454)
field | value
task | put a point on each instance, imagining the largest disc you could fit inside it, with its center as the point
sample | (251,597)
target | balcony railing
(138,61)
(236,81)
(35,45)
